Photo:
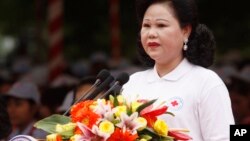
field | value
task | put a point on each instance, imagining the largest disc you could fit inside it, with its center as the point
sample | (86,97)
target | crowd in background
(236,76)
(28,97)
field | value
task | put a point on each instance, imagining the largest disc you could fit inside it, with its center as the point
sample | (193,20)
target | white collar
(174,75)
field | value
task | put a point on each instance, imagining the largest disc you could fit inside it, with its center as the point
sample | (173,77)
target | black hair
(201,43)
(30,101)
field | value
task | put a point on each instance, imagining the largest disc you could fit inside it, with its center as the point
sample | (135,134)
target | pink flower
(129,122)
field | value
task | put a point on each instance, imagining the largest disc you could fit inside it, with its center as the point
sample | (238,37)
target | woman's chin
(154,56)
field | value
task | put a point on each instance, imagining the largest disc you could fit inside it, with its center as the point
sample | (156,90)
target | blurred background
(56,43)
(41,29)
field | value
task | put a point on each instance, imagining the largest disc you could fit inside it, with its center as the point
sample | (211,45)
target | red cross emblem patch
(175,103)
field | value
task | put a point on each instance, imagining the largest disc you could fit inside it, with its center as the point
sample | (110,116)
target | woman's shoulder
(141,73)
(207,75)
(139,76)
(135,81)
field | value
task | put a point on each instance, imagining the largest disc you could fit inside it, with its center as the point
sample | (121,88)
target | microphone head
(102,75)
(122,78)
(108,80)
(105,83)
(101,87)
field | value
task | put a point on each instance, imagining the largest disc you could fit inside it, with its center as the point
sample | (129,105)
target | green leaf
(116,102)
(149,130)
(146,137)
(129,110)
(143,106)
(111,98)
(165,139)
(170,113)
(49,124)
(155,136)
(116,121)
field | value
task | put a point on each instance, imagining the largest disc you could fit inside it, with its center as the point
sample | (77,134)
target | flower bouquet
(112,120)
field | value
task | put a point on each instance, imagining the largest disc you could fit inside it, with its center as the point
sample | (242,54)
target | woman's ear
(186,30)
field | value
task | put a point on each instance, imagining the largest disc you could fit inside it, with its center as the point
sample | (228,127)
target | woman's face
(161,35)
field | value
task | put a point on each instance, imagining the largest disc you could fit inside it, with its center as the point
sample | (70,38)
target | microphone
(100,88)
(101,77)
(121,79)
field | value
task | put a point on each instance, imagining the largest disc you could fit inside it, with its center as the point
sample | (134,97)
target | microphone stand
(86,93)
(108,91)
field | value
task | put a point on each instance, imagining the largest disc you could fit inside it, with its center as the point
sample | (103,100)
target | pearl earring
(185,47)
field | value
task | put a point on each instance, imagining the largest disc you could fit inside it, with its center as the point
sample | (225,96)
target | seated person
(74,95)
(23,100)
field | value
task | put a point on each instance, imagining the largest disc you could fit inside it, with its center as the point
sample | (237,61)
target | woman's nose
(152,33)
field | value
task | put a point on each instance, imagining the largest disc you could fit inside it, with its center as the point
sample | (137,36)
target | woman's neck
(164,68)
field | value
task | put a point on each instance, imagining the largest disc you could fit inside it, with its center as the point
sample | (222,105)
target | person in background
(238,91)
(84,85)
(178,50)
(240,95)
(246,74)
(51,99)
(5,84)
(5,125)
(98,61)
(23,100)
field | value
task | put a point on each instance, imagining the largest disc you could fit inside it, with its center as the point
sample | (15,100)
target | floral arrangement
(112,120)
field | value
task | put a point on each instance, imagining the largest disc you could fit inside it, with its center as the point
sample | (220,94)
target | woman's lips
(153,44)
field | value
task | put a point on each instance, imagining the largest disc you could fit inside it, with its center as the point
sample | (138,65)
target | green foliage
(143,106)
(49,125)
(151,135)
(170,113)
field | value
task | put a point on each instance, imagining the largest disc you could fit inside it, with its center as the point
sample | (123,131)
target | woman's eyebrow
(162,20)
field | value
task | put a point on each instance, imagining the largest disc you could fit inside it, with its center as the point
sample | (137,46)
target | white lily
(96,133)
(104,110)
(100,134)
(129,122)
(89,135)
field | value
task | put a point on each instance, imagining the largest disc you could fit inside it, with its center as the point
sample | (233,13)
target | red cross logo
(174,103)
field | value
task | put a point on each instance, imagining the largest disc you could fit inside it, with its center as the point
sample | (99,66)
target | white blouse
(197,96)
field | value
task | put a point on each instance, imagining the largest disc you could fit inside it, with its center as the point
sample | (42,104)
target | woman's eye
(145,25)
(161,25)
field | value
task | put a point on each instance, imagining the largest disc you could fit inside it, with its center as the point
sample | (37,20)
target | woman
(179,49)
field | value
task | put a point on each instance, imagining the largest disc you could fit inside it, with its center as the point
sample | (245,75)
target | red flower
(81,112)
(151,115)
(179,136)
(120,135)
(78,130)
